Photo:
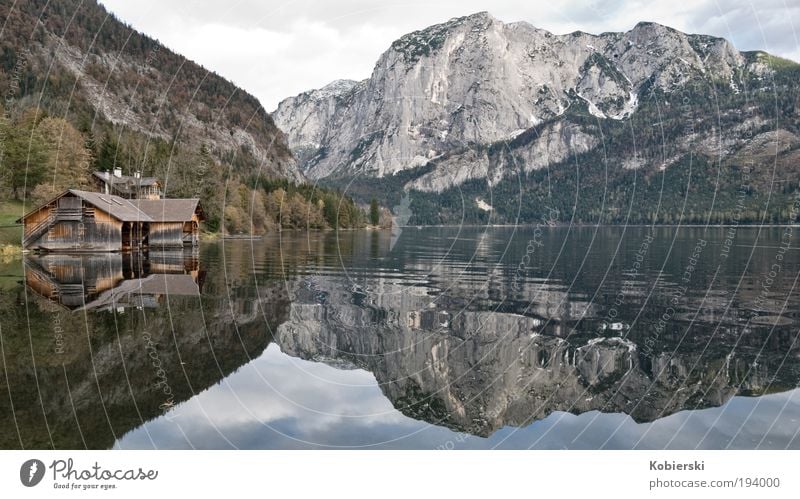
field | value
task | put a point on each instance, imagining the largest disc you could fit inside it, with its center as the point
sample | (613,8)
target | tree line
(41,155)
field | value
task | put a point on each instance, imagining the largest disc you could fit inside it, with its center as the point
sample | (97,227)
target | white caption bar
(347,474)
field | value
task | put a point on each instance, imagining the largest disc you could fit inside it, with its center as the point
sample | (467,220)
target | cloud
(276,49)
(767,25)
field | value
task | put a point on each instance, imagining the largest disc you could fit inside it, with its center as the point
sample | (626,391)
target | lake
(439,337)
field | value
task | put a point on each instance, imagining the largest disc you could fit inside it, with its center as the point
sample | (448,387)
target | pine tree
(374,212)
(107,156)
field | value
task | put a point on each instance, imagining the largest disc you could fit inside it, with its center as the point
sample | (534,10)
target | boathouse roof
(168,210)
(132,210)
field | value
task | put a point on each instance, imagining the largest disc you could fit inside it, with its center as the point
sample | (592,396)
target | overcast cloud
(277,49)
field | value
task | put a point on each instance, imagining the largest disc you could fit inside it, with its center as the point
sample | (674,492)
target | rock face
(312,114)
(440,95)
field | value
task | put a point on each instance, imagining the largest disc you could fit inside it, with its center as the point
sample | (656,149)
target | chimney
(118,172)
(137,174)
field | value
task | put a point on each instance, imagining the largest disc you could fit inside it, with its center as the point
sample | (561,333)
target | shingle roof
(120,208)
(167,210)
(134,210)
(115,206)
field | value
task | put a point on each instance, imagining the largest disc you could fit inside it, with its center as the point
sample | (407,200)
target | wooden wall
(105,234)
(36,217)
(166,235)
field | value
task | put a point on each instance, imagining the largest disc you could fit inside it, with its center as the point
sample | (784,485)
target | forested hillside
(83,91)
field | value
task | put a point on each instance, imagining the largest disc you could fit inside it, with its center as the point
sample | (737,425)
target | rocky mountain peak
(473,81)
(336,88)
(419,44)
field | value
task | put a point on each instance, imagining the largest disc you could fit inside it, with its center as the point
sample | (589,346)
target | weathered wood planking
(85,221)
(166,234)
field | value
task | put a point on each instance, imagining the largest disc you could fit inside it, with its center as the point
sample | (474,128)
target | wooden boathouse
(90,221)
(174,222)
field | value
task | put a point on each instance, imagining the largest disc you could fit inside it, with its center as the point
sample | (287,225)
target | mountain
(474,109)
(74,59)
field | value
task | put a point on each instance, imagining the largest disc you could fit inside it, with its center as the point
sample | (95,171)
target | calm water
(438,338)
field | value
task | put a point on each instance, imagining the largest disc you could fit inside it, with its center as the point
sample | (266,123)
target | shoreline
(216,236)
(583,226)
(213,236)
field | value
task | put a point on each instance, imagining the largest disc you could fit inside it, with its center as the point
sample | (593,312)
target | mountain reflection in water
(440,340)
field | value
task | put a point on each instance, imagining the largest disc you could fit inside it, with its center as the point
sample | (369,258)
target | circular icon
(31,472)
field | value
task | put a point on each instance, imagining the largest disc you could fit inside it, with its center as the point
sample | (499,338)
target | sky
(276,49)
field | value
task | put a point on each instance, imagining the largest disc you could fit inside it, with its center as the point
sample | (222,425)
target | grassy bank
(10,211)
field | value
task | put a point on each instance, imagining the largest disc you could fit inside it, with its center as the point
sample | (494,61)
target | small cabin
(127,186)
(89,221)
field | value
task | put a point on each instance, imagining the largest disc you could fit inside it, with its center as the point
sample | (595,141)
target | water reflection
(478,371)
(281,402)
(96,345)
(363,339)
(116,280)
